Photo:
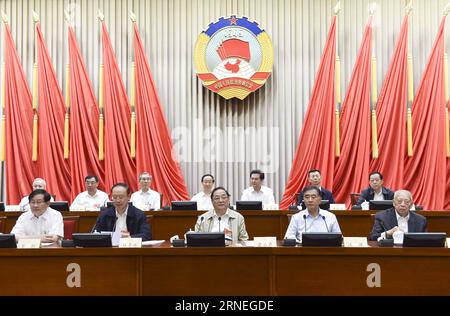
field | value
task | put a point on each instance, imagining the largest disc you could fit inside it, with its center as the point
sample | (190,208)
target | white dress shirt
(378,196)
(313,224)
(84,199)
(121,221)
(402,224)
(203,201)
(24,204)
(146,200)
(265,195)
(49,223)
(219,226)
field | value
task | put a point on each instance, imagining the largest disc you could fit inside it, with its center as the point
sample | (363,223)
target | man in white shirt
(92,198)
(399,218)
(258,192)
(146,199)
(38,183)
(313,219)
(41,221)
(203,198)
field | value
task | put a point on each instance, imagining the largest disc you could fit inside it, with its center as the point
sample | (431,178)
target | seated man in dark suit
(123,217)
(398,218)
(314,178)
(376,190)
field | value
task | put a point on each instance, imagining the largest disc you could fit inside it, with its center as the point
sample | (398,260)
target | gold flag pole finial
(408,8)
(132,16)
(372,8)
(101,16)
(447,9)
(35,17)
(68,17)
(337,8)
(4,17)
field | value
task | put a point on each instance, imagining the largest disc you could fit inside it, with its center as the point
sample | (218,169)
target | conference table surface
(258,223)
(250,271)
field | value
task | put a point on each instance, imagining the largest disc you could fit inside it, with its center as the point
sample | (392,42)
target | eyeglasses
(146,179)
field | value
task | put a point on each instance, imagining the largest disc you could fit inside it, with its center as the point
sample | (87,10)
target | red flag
(153,142)
(425,171)
(84,114)
(19,126)
(315,149)
(119,166)
(51,163)
(352,168)
(391,116)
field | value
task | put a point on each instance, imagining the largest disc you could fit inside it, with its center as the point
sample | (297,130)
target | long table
(259,223)
(162,270)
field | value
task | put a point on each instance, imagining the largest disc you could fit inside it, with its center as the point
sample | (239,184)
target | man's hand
(391,231)
(49,238)
(125,233)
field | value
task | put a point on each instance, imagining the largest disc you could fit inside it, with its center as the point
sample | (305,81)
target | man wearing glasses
(222,219)
(41,221)
(92,198)
(146,199)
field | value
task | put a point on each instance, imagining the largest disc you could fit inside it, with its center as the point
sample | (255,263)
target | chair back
(70,226)
(354,197)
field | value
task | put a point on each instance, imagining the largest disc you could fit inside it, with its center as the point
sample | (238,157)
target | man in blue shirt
(312,219)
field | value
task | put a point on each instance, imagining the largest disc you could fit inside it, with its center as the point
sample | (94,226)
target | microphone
(220,218)
(323,217)
(200,226)
(115,222)
(304,218)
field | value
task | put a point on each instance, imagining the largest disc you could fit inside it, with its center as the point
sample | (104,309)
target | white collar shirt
(402,222)
(203,201)
(146,200)
(121,221)
(300,224)
(49,223)
(265,195)
(85,200)
(378,196)
(220,225)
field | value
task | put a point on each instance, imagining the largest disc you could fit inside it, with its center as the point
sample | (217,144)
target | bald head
(402,202)
(39,183)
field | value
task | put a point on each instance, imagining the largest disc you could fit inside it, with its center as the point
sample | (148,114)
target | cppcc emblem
(233,57)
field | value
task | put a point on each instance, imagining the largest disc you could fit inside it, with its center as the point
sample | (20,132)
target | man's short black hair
(313,170)
(121,184)
(208,175)
(376,172)
(312,188)
(91,177)
(46,195)
(257,171)
(219,188)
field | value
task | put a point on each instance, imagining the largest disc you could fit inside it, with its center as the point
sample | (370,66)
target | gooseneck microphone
(304,218)
(323,217)
(220,218)
(115,223)
(200,226)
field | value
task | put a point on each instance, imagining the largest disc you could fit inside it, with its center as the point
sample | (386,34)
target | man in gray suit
(398,218)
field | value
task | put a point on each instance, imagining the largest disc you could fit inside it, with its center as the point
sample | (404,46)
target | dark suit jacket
(136,222)
(388,218)
(326,195)
(368,194)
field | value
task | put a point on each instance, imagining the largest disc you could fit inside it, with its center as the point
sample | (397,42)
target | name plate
(265,241)
(337,207)
(130,242)
(92,209)
(32,243)
(355,242)
(447,242)
(12,208)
